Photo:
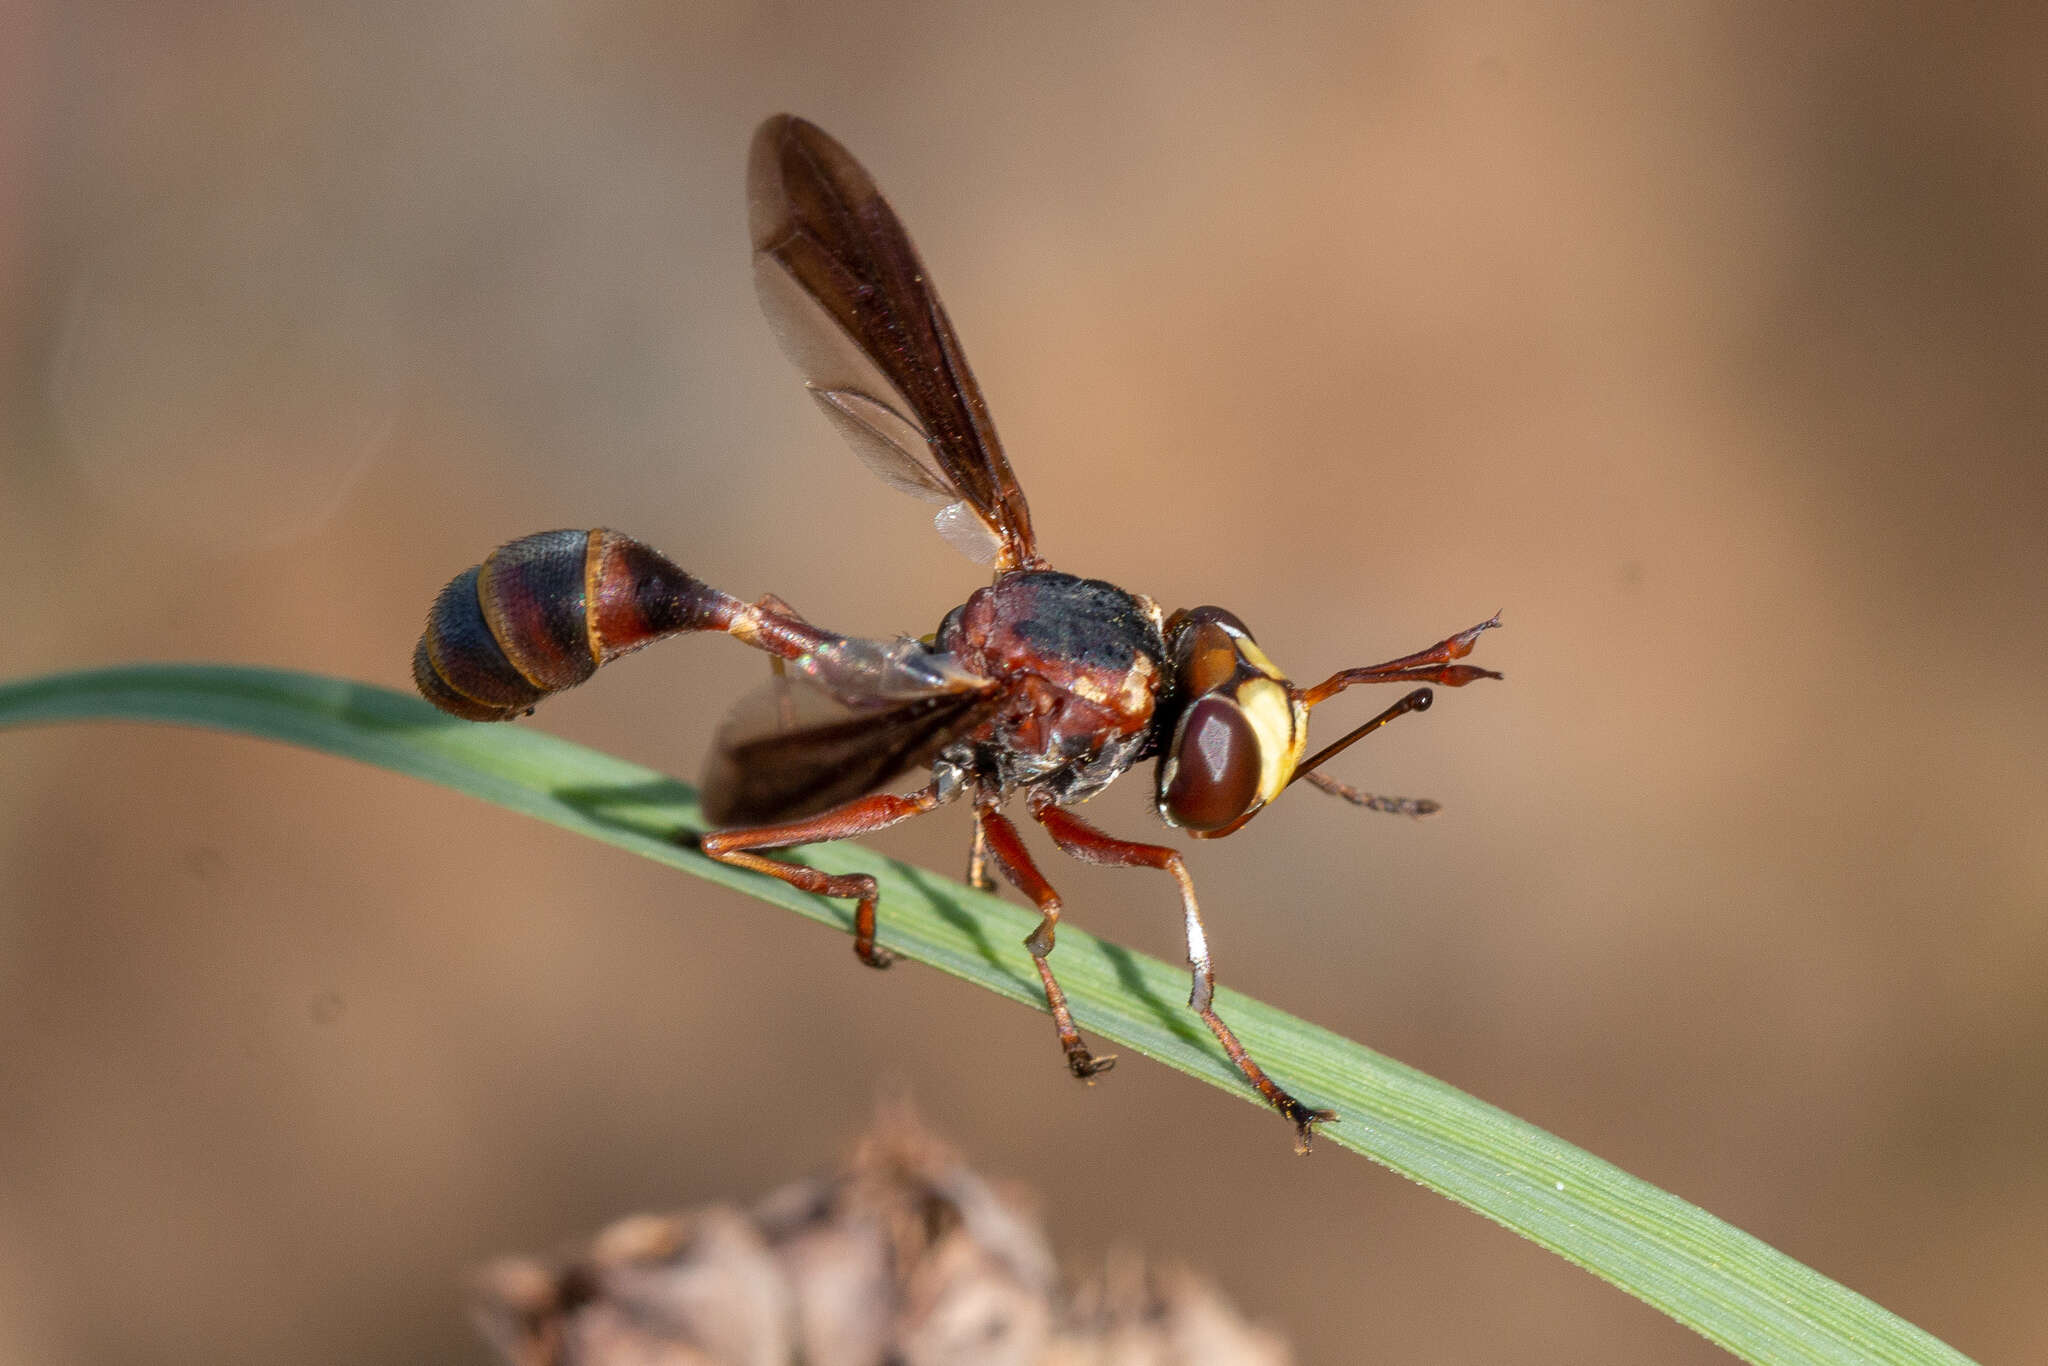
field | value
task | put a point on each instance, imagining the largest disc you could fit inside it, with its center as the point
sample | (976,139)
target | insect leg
(1010,855)
(977,862)
(862,816)
(1424,666)
(1085,842)
(1416,807)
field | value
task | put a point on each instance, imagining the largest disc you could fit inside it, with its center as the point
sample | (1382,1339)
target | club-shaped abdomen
(544,612)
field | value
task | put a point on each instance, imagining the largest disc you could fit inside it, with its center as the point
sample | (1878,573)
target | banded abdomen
(544,612)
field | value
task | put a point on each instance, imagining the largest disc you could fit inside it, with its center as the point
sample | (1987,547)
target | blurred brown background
(1706,342)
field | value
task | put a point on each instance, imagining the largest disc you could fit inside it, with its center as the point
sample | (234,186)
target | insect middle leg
(1007,848)
(862,816)
(1085,842)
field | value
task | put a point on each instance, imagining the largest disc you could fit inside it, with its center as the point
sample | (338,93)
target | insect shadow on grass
(649,809)
(942,894)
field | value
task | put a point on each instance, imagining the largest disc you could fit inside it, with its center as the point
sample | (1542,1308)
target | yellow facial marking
(1272,716)
(1248,650)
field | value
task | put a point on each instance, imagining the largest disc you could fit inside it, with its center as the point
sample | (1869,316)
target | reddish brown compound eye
(1210,775)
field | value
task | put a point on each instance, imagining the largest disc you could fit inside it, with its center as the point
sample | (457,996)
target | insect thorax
(1082,663)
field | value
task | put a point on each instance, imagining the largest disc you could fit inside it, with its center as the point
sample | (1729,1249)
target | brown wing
(851,304)
(790,749)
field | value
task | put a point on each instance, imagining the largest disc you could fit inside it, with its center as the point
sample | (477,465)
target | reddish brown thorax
(1082,661)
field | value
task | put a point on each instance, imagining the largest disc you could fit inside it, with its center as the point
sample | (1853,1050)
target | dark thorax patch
(1092,624)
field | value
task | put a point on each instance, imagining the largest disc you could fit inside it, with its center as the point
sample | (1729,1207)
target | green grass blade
(1754,1301)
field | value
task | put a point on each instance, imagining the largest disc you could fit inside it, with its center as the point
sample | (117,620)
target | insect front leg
(862,816)
(1085,842)
(1006,846)
(1432,665)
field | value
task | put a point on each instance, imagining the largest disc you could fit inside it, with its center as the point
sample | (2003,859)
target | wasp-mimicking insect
(1041,687)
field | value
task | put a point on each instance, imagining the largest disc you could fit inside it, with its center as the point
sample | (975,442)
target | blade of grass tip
(1721,1282)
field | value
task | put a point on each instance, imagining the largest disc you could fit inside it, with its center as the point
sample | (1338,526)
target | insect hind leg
(864,815)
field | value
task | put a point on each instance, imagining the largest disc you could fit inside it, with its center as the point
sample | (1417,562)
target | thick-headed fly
(1041,688)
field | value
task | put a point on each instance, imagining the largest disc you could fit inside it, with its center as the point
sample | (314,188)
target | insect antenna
(1418,700)
(1414,807)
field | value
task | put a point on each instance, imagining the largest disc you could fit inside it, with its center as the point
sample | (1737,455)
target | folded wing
(790,749)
